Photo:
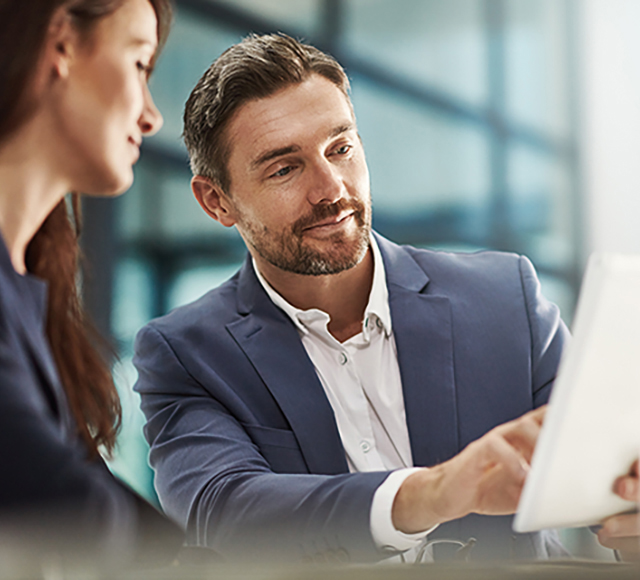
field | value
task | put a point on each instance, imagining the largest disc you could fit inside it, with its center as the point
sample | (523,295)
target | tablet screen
(591,433)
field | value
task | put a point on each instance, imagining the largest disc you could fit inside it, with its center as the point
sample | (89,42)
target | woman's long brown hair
(54,254)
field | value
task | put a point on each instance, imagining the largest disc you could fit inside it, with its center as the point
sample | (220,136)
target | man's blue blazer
(243,439)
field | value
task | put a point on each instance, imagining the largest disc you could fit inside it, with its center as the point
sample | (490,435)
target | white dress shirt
(361,379)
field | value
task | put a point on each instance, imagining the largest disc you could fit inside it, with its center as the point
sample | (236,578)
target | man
(287,408)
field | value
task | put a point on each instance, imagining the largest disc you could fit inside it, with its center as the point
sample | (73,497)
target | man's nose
(326,185)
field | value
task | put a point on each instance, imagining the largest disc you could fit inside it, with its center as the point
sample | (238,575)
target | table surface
(566,570)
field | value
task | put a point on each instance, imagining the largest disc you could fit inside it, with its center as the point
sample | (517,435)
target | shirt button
(343,358)
(364,445)
(379,323)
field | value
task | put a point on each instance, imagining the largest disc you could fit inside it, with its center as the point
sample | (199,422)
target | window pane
(161,207)
(560,293)
(424,167)
(192,46)
(536,67)
(540,209)
(196,280)
(440,44)
(301,16)
(132,299)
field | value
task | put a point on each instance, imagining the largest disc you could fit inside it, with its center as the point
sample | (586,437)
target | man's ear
(213,200)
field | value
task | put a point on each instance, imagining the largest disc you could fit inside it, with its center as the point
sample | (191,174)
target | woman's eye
(143,68)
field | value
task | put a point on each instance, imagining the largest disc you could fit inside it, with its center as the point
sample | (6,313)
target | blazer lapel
(34,338)
(271,342)
(423,332)
(26,298)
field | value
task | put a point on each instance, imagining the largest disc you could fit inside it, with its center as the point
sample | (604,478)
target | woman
(74,105)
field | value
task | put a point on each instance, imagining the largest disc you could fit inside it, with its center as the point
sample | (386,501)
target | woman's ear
(213,200)
(60,45)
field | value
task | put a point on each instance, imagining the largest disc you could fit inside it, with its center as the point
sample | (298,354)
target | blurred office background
(503,124)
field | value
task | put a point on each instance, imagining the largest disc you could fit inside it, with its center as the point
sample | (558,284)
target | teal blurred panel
(196,280)
(537,65)
(131,310)
(161,208)
(438,44)
(561,293)
(303,16)
(132,300)
(424,164)
(130,461)
(193,45)
(540,207)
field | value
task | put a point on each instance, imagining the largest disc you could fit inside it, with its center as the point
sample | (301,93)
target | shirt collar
(377,307)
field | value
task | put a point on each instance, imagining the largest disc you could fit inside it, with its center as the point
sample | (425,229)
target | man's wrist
(418,506)
(384,533)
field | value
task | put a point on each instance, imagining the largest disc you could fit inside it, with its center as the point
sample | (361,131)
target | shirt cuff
(384,533)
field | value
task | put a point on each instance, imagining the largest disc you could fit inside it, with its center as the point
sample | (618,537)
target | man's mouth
(331,222)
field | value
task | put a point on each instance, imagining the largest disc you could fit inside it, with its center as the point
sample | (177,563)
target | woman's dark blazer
(52,497)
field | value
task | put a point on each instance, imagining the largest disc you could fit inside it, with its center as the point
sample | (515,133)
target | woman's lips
(136,145)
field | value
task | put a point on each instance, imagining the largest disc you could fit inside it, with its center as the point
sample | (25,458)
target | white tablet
(591,433)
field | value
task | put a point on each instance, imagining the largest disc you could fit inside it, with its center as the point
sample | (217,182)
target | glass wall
(465,110)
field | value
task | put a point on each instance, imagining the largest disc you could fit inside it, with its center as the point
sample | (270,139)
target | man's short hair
(255,68)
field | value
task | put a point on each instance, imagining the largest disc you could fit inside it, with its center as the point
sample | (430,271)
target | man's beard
(289,251)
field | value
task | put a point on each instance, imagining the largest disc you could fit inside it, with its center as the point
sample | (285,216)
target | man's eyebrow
(273,153)
(340,129)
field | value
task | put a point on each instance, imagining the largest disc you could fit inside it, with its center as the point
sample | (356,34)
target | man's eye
(143,68)
(342,150)
(282,172)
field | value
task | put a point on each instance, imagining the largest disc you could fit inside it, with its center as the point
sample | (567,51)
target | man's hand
(486,477)
(622,532)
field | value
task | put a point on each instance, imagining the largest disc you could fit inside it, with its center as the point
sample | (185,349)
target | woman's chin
(113,186)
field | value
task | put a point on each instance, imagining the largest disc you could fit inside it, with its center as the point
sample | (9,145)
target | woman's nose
(151,120)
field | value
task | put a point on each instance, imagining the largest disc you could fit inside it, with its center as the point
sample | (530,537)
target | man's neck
(342,296)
